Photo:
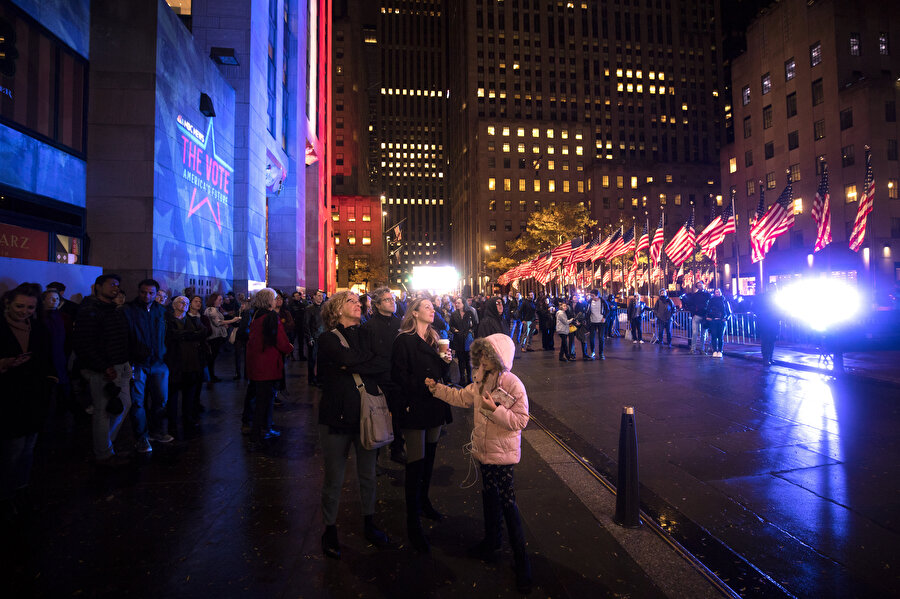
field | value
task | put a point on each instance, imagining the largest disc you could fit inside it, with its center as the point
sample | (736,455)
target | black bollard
(627,502)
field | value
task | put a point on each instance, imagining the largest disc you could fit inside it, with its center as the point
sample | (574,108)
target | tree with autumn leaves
(546,229)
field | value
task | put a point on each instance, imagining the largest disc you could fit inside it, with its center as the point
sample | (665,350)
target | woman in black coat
(339,414)
(26,380)
(415,358)
(493,321)
(462,326)
(186,357)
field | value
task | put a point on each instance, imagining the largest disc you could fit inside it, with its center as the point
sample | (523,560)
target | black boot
(520,555)
(486,549)
(427,509)
(330,546)
(373,534)
(413,492)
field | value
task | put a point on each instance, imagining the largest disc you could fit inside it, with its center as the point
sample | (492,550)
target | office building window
(854,44)
(732,165)
(892,189)
(883,48)
(846,119)
(766,83)
(492,184)
(678,199)
(745,95)
(795,172)
(793,140)
(748,158)
(819,130)
(769,150)
(850,193)
(751,187)
(818,92)
(820,164)
(767,117)
(790,68)
(770,180)
(815,54)
(748,129)
(507,205)
(791,104)
(847,156)
(892,149)
(890,111)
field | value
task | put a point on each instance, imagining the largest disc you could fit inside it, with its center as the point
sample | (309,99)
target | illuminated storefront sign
(209,177)
(18,242)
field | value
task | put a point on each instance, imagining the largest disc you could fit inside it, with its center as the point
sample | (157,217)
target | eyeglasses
(353,301)
(389,298)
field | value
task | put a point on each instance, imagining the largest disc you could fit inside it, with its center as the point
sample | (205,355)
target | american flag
(821,211)
(757,254)
(677,273)
(777,219)
(704,238)
(569,271)
(657,243)
(565,249)
(583,252)
(601,252)
(724,225)
(657,273)
(688,280)
(607,276)
(624,245)
(644,242)
(865,207)
(682,245)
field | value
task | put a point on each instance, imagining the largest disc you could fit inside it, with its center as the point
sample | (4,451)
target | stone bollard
(627,501)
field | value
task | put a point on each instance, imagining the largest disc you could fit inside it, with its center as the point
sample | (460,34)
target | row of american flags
(561,263)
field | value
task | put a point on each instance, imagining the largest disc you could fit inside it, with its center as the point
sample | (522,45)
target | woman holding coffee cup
(418,354)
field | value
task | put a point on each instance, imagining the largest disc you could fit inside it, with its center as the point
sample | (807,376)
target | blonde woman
(415,358)
(339,415)
(266,348)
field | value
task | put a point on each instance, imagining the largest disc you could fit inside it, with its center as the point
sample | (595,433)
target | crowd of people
(147,360)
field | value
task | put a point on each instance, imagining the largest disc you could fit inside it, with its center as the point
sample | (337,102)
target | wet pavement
(782,481)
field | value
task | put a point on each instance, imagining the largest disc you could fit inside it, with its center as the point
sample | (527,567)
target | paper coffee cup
(443,346)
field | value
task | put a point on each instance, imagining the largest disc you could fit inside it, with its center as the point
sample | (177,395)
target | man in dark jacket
(298,313)
(314,327)
(527,314)
(597,311)
(696,304)
(664,310)
(100,339)
(382,328)
(147,348)
(512,316)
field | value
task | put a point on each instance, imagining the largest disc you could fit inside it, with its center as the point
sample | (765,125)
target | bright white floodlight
(820,303)
(439,279)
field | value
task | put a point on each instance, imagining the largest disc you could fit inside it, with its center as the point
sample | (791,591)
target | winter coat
(266,362)
(100,335)
(414,360)
(314,325)
(562,322)
(604,310)
(462,323)
(217,325)
(186,349)
(146,332)
(718,309)
(527,310)
(664,309)
(497,435)
(492,322)
(339,406)
(26,388)
(696,302)
(381,331)
(636,309)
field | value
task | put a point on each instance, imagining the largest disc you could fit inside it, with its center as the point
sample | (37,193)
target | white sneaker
(634,341)
(641,341)
(162,438)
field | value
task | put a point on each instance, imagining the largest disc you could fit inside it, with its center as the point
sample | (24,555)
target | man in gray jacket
(664,310)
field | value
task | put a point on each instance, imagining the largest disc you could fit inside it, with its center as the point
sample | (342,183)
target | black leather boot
(373,534)
(517,541)
(413,492)
(427,509)
(486,549)
(330,545)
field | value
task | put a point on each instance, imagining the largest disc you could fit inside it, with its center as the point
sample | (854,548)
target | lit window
(579,150)
(605,181)
(565,150)
(668,178)
(551,185)
(492,184)
(351,237)
(580,186)
(551,164)
(662,199)
(535,132)
(521,148)
(535,149)
(506,147)
(854,44)
(551,150)
(798,205)
(850,193)
(506,131)
(620,181)
(766,83)
(491,130)
(507,184)
(745,95)
(815,54)
(549,133)
(892,189)
(883,47)
(564,134)
(678,199)
(520,131)
(337,240)
(790,69)
(537,184)
(565,186)
(634,182)
(521,184)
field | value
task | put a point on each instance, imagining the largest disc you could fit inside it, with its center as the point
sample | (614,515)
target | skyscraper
(390,113)
(612,105)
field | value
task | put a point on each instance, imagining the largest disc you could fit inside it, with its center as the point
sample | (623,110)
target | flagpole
(735,247)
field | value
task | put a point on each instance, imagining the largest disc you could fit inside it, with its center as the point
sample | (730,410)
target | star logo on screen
(209,175)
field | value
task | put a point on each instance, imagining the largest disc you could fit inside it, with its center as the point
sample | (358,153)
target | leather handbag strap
(359,383)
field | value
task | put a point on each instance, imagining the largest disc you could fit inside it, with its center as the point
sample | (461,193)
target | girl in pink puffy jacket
(500,406)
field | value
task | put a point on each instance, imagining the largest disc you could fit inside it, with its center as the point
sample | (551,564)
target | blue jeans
(595,329)
(149,393)
(16,457)
(105,426)
(514,331)
(697,329)
(525,337)
(335,449)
